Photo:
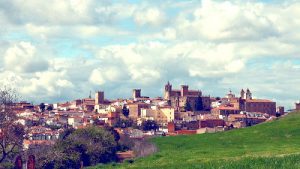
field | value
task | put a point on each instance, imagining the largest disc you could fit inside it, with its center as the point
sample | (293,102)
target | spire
(90,96)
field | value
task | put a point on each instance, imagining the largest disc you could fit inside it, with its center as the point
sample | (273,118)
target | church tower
(168,90)
(248,95)
(242,94)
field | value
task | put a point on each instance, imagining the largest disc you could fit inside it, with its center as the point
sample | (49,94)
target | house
(135,109)
(162,115)
(225,110)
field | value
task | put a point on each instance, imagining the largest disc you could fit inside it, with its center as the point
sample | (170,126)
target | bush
(6,165)
(91,145)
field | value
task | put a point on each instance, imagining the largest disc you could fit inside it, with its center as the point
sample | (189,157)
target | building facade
(179,98)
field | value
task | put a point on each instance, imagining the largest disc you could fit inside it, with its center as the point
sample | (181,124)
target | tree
(42,107)
(199,104)
(90,145)
(149,125)
(187,106)
(124,123)
(113,132)
(50,107)
(11,132)
(125,111)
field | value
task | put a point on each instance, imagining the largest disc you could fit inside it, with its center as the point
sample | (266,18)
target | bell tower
(248,95)
(242,94)
(168,90)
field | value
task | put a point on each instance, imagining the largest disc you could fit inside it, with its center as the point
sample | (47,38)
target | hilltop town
(179,111)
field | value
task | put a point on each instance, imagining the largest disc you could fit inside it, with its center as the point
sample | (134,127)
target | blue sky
(61,50)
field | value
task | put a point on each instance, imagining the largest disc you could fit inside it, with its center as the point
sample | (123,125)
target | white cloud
(100,76)
(213,45)
(22,57)
(150,16)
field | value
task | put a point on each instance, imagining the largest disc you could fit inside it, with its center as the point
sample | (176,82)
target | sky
(53,51)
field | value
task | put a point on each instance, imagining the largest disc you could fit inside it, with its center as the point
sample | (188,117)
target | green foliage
(66,133)
(42,107)
(113,132)
(91,145)
(199,104)
(94,145)
(124,123)
(125,111)
(269,145)
(7,165)
(149,125)
(187,106)
(50,107)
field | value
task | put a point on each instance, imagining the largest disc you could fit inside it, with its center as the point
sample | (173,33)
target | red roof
(259,100)
(222,107)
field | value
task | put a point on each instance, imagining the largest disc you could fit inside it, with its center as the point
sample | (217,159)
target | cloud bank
(64,49)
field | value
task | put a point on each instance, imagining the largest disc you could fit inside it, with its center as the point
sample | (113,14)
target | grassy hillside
(270,145)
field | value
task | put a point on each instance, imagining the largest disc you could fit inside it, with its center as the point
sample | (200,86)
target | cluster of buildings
(179,111)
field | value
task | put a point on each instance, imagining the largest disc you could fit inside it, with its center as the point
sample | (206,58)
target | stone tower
(168,90)
(242,94)
(99,97)
(136,93)
(248,95)
(184,90)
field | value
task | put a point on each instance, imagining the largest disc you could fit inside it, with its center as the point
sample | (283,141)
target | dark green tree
(125,111)
(50,107)
(149,125)
(124,123)
(199,104)
(187,106)
(42,107)
(113,132)
(90,145)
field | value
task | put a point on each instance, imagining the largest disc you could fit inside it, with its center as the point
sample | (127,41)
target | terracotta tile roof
(259,100)
(237,116)
(223,107)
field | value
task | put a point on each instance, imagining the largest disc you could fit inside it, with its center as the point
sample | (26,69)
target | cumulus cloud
(150,16)
(66,12)
(22,57)
(63,49)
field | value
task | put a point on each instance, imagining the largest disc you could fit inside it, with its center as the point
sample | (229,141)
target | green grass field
(273,144)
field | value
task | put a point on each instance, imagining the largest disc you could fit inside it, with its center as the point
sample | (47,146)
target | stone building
(248,104)
(99,97)
(135,109)
(136,93)
(179,98)
(233,104)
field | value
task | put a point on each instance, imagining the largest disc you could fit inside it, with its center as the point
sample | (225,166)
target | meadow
(274,144)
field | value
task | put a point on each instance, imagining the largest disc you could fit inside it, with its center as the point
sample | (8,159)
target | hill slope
(273,144)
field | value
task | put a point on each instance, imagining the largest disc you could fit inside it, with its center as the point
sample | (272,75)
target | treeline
(81,147)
